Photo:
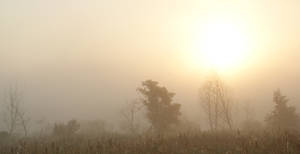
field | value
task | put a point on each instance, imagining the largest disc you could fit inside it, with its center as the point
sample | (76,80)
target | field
(187,143)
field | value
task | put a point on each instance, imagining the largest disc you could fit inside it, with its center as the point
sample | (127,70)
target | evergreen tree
(161,112)
(283,116)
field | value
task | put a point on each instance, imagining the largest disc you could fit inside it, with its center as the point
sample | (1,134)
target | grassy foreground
(187,143)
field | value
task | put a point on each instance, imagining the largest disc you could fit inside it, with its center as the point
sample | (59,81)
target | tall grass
(185,143)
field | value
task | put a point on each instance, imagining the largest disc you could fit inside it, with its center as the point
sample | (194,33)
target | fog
(83,60)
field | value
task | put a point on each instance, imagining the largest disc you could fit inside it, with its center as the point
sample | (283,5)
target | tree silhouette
(68,129)
(161,112)
(217,103)
(130,116)
(283,117)
(14,114)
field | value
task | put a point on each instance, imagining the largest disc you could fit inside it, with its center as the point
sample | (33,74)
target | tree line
(161,112)
(217,104)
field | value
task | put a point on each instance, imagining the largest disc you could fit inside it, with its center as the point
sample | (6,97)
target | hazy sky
(82,59)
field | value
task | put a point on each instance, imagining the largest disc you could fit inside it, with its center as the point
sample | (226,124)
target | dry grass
(188,143)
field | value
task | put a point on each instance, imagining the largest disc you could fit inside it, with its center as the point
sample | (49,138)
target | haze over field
(84,59)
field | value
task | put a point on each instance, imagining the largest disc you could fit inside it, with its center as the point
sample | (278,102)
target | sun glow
(220,46)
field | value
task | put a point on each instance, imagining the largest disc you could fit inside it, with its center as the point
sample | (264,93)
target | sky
(82,59)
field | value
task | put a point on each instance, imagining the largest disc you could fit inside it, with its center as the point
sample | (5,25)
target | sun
(220,46)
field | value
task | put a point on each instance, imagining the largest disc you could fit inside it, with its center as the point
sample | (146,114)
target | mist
(84,60)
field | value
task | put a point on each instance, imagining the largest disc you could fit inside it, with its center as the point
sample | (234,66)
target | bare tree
(24,121)
(226,102)
(45,126)
(129,114)
(12,103)
(14,115)
(248,110)
(217,103)
(250,124)
(207,100)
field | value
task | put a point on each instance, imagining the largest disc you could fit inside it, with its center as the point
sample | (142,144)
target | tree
(217,103)
(283,117)
(129,114)
(249,111)
(24,121)
(14,114)
(45,127)
(95,127)
(4,136)
(250,124)
(161,112)
(68,129)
